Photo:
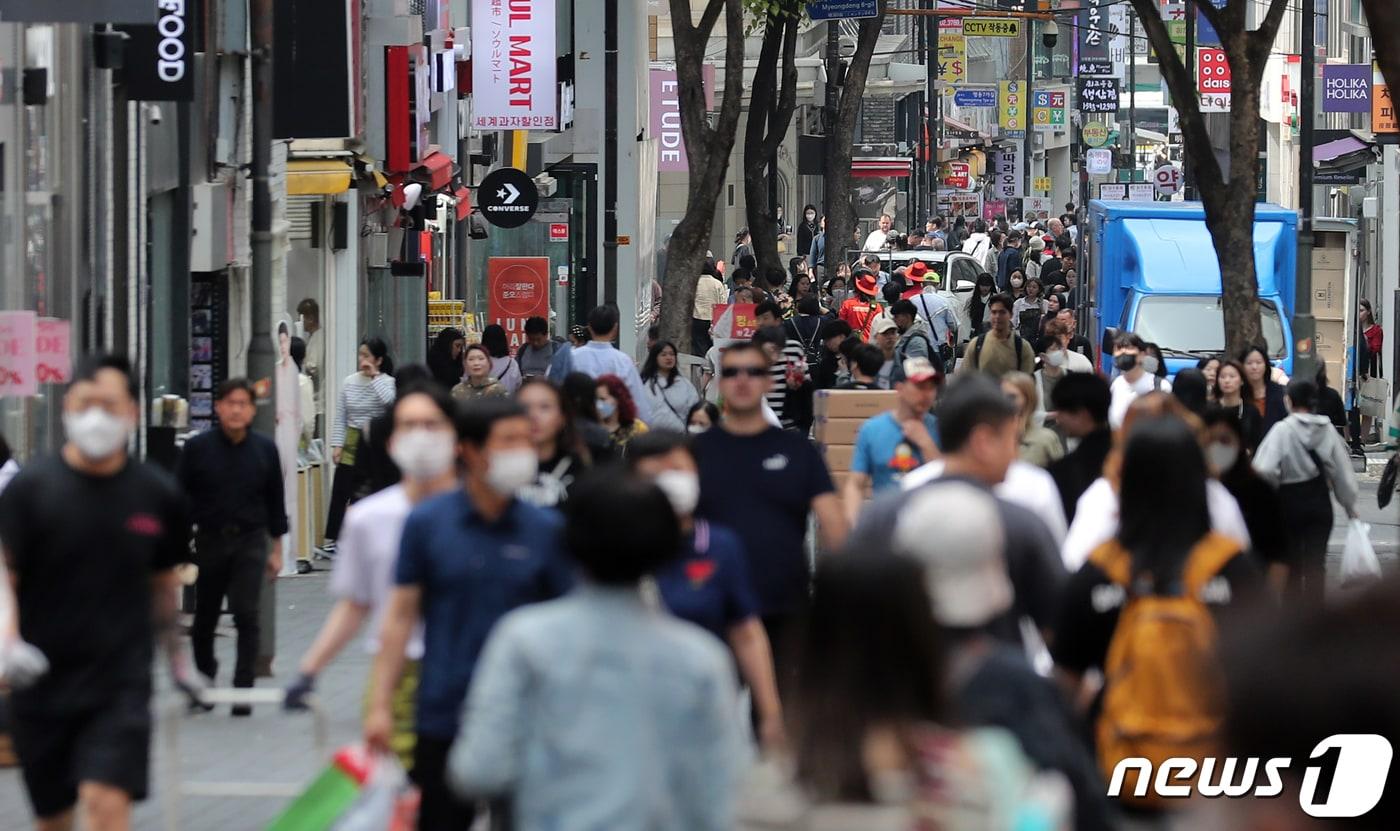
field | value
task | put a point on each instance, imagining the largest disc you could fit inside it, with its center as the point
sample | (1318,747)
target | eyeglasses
(748,371)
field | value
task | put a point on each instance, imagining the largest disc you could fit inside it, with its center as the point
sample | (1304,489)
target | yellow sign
(991,27)
(1011,105)
(1041,183)
(1095,134)
(952,58)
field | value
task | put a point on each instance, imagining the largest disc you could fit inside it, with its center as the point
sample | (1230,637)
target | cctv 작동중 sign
(158,60)
(514,65)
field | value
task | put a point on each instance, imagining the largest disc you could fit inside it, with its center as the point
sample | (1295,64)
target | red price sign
(17,360)
(558,232)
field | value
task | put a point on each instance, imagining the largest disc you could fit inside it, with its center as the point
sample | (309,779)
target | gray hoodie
(1283,459)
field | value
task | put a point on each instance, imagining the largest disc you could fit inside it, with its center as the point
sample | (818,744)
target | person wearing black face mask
(1137,376)
(807,229)
(977,303)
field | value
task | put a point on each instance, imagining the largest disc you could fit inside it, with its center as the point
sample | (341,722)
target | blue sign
(1206,36)
(984,98)
(842,9)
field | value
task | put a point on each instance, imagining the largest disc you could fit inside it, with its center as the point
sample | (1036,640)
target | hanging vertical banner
(1012,110)
(952,58)
(158,61)
(1094,57)
(1007,173)
(1346,88)
(517,290)
(1048,110)
(666,115)
(1213,80)
(1383,119)
(514,65)
(17,378)
(53,361)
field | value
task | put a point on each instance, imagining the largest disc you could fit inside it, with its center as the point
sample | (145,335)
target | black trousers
(439,809)
(342,490)
(1307,518)
(700,340)
(232,567)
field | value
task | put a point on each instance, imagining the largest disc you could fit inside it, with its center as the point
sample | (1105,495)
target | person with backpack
(914,339)
(1308,462)
(1137,376)
(1145,611)
(1000,349)
(933,308)
(805,328)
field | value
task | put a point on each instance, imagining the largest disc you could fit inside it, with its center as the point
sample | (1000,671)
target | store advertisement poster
(517,289)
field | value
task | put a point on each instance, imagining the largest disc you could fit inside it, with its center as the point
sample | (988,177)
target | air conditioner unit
(209,227)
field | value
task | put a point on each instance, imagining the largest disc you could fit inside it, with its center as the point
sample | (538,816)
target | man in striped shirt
(790,394)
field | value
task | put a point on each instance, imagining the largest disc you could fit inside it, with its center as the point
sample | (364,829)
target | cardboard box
(1331,345)
(1329,294)
(837,430)
(840,480)
(853,403)
(838,456)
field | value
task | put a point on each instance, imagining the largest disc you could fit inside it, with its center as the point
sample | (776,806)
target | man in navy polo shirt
(467,557)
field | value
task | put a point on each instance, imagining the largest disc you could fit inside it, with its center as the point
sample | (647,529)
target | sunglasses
(749,371)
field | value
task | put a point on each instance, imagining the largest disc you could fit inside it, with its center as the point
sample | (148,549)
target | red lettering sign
(518,289)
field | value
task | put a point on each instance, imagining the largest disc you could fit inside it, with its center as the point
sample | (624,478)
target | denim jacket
(597,711)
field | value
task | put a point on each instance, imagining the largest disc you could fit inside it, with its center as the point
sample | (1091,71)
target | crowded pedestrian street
(699,415)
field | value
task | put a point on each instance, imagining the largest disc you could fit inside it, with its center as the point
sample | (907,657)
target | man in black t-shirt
(85,587)
(763,482)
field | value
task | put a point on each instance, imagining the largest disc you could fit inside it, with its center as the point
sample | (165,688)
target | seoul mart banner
(514,84)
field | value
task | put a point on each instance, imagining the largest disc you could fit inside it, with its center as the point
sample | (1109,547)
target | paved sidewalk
(271,746)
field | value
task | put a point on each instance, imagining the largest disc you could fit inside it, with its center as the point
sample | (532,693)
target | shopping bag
(1359,563)
(1389,478)
(1374,397)
(375,807)
(330,795)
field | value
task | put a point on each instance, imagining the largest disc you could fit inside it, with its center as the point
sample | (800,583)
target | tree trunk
(707,150)
(1228,199)
(840,216)
(1383,16)
(762,100)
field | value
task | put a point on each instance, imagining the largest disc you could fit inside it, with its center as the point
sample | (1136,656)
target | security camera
(411,194)
(155,114)
(1050,34)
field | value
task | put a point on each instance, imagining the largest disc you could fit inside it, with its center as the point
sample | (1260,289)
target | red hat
(866,282)
(916,271)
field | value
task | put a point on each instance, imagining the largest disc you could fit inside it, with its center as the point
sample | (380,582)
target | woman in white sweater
(671,394)
(364,395)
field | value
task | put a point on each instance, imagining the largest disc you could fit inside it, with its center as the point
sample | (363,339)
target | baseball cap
(918,370)
(884,323)
(954,529)
(1037,243)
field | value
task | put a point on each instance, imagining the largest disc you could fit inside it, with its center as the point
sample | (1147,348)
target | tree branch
(1183,93)
(1384,19)
(1261,40)
(707,20)
(781,115)
(733,101)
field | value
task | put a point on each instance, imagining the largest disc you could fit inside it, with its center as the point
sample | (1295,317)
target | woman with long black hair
(1260,390)
(445,357)
(977,304)
(503,366)
(364,395)
(671,393)
(562,454)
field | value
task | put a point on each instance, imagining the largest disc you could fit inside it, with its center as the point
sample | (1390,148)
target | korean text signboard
(1007,174)
(1213,80)
(1048,110)
(991,27)
(1094,57)
(517,289)
(1383,118)
(17,377)
(842,9)
(1012,116)
(734,321)
(984,98)
(514,65)
(1098,95)
(1346,88)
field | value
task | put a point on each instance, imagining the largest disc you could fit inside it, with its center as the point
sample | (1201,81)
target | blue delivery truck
(1152,270)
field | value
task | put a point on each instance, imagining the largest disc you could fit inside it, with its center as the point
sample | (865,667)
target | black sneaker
(303,567)
(242,710)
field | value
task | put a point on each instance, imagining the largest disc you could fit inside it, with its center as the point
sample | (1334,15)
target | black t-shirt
(1091,602)
(762,487)
(83,550)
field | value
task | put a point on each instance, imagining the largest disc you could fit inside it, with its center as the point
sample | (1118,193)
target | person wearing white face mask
(708,584)
(466,558)
(91,538)
(423,444)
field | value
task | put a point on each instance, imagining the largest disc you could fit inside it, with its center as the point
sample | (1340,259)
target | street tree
(772,101)
(840,216)
(1383,16)
(707,147)
(1227,195)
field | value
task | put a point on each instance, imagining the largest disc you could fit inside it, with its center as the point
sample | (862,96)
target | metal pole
(1132,92)
(1304,327)
(261,355)
(1189,180)
(1029,111)
(833,66)
(935,106)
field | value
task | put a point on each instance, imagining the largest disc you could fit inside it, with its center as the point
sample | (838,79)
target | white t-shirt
(1124,394)
(1096,520)
(876,240)
(1027,485)
(366,552)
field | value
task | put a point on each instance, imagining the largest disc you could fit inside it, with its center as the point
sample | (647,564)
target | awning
(318,177)
(881,168)
(464,202)
(435,170)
